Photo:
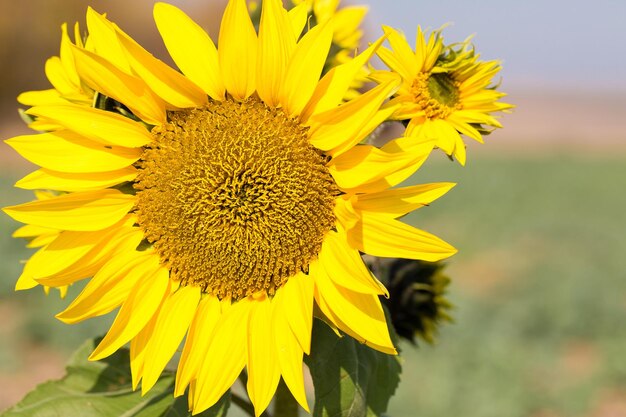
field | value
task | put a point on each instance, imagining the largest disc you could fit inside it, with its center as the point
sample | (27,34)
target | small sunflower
(446,91)
(222,202)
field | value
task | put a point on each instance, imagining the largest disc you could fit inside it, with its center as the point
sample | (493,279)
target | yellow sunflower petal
(98,125)
(399,201)
(107,79)
(379,235)
(289,353)
(136,311)
(332,88)
(104,40)
(170,85)
(365,164)
(296,296)
(421,53)
(370,125)
(57,76)
(275,48)
(67,59)
(197,343)
(228,351)
(26,280)
(37,236)
(62,181)
(63,291)
(339,127)
(30,230)
(362,313)
(109,287)
(465,128)
(191,48)
(394,63)
(174,319)
(42,240)
(305,67)
(425,130)
(84,211)
(406,65)
(263,368)
(67,248)
(138,351)
(347,21)
(472,116)
(42,125)
(460,151)
(420,150)
(127,239)
(446,136)
(238,50)
(41,98)
(297,17)
(65,151)
(480,79)
(323,312)
(431,51)
(345,267)
(338,326)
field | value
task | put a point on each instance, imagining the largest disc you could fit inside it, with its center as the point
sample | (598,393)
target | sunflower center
(436,94)
(234,198)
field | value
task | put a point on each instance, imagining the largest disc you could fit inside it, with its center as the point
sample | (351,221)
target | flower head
(446,90)
(222,202)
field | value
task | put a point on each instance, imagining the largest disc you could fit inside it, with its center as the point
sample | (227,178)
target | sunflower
(223,202)
(446,91)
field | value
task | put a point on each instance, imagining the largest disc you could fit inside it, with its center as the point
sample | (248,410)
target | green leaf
(103,389)
(350,379)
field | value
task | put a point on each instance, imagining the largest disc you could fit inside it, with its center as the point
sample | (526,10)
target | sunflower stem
(284,403)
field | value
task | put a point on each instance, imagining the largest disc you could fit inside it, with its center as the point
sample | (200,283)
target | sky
(552,45)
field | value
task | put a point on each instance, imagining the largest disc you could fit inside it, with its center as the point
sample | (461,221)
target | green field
(539,288)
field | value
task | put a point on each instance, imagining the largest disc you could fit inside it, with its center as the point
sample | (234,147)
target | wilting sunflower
(219,204)
(446,91)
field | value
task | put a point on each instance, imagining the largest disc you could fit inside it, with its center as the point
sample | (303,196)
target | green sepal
(26,118)
(350,378)
(103,389)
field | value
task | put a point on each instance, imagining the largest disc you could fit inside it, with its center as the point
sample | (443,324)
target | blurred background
(539,215)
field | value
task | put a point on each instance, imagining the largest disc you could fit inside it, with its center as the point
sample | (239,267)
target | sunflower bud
(416,302)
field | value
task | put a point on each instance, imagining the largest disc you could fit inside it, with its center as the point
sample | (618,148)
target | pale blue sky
(559,44)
